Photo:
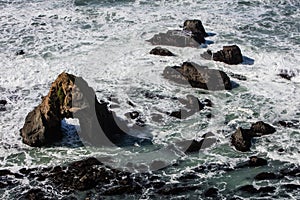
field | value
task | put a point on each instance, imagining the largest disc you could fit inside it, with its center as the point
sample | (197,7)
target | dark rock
(211,192)
(266,176)
(195,26)
(288,124)
(261,128)
(291,171)
(291,187)
(248,188)
(230,54)
(133,114)
(69,97)
(208,103)
(238,76)
(267,189)
(198,76)
(286,74)
(34,194)
(256,161)
(131,103)
(177,38)
(252,190)
(5,172)
(3,102)
(188,176)
(161,52)
(241,139)
(20,52)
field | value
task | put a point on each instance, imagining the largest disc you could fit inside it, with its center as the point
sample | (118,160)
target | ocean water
(105,43)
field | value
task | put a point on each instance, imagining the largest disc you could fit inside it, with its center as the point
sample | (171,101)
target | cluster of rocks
(241,139)
(71,97)
(104,181)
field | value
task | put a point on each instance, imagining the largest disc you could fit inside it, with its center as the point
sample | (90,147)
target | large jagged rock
(42,125)
(68,97)
(198,76)
(192,35)
(230,54)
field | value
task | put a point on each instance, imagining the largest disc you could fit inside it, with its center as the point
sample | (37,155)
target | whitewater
(105,43)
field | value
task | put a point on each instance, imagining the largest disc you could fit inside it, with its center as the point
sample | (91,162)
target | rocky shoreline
(70,97)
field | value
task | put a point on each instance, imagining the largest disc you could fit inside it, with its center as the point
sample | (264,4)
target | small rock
(161,52)
(20,52)
(291,187)
(35,194)
(241,139)
(286,74)
(211,192)
(133,114)
(248,188)
(238,76)
(3,102)
(266,176)
(261,128)
(230,55)
(288,124)
(256,161)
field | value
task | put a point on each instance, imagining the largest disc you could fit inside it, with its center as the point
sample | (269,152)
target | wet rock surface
(161,52)
(69,97)
(198,76)
(192,35)
(242,138)
(229,54)
(261,128)
(176,38)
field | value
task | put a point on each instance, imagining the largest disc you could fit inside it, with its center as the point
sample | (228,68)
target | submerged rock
(229,54)
(69,97)
(266,176)
(191,104)
(198,76)
(161,52)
